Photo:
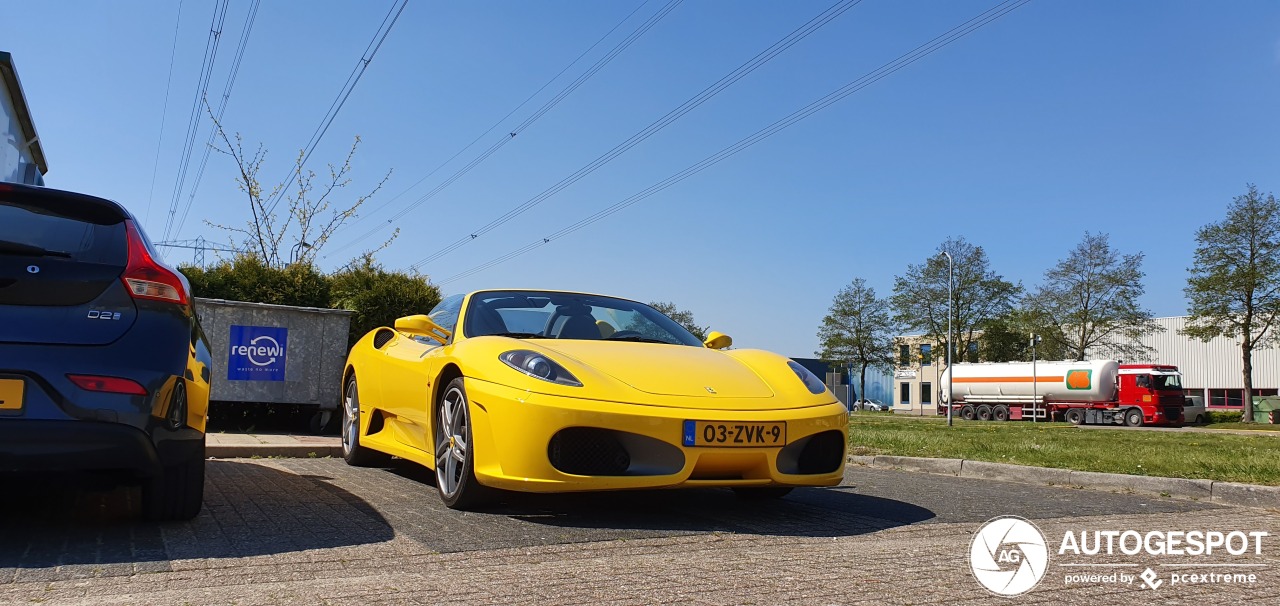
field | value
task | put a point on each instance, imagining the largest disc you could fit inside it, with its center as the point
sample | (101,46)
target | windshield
(555,315)
(1166,381)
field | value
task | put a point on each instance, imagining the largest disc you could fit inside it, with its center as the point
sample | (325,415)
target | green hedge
(376,295)
(1225,416)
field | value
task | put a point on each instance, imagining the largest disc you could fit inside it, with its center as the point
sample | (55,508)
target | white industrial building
(21,157)
(1213,369)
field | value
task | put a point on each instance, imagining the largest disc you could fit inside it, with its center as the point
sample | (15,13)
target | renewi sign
(257,353)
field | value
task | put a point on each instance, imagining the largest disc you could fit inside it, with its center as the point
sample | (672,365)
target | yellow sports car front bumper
(532,442)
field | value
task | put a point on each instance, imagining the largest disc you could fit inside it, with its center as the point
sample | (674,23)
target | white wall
(14,155)
(10,140)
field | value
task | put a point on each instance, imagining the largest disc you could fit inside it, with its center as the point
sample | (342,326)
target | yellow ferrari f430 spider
(541,391)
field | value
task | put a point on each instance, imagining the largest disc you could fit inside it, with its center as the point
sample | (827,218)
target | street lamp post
(1035,388)
(951,373)
(293,255)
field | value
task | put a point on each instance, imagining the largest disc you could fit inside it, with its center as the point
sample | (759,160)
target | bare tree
(310,217)
(1234,286)
(1089,301)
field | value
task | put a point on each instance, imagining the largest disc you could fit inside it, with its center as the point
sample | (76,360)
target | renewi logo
(257,353)
(261,351)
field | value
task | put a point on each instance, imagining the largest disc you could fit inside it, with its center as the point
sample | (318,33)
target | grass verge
(1245,426)
(1203,455)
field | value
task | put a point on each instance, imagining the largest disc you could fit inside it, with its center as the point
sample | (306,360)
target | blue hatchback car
(104,369)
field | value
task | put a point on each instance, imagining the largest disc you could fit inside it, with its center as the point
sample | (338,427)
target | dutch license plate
(11,394)
(716,433)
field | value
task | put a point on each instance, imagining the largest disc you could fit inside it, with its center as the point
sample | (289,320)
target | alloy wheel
(350,417)
(451,446)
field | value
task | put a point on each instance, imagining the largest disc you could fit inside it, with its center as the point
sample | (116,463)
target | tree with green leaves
(682,317)
(919,300)
(1089,302)
(1007,338)
(378,296)
(858,330)
(1234,286)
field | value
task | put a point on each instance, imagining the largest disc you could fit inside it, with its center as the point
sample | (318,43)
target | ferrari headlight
(810,380)
(539,366)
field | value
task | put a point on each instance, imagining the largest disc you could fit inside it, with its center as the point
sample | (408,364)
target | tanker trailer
(1092,391)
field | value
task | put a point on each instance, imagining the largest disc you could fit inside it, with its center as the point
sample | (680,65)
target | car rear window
(83,239)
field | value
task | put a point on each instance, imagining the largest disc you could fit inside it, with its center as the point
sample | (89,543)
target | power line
(163,113)
(199,245)
(193,122)
(365,59)
(694,102)
(222,107)
(572,86)
(866,80)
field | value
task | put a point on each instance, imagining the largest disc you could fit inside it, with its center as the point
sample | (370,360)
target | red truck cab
(1154,388)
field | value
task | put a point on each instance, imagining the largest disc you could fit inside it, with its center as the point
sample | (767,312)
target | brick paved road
(316,531)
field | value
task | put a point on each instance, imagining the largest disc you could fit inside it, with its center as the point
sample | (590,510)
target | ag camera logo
(1008,556)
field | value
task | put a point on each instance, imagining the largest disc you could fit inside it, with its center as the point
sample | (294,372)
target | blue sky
(1137,119)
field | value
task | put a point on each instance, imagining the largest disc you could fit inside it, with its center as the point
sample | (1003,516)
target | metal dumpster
(1266,409)
(276,354)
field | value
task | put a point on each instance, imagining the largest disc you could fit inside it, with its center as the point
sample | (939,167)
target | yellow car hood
(668,370)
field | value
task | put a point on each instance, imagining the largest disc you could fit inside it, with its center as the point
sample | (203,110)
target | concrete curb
(1015,473)
(1180,488)
(1247,495)
(249,451)
(1225,493)
(948,467)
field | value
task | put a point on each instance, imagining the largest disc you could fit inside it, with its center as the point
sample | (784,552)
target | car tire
(1074,416)
(177,492)
(352,452)
(320,421)
(984,412)
(1000,413)
(455,455)
(1199,419)
(1133,417)
(763,493)
(967,413)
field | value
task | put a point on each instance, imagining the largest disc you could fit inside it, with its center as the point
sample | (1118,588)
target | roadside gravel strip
(1225,493)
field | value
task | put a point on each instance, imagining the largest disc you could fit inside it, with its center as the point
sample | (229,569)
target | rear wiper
(516,335)
(638,339)
(18,248)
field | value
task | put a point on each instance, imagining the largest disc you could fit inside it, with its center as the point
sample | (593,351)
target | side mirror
(423,326)
(717,340)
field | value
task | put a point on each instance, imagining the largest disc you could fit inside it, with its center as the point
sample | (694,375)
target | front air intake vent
(819,453)
(588,451)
